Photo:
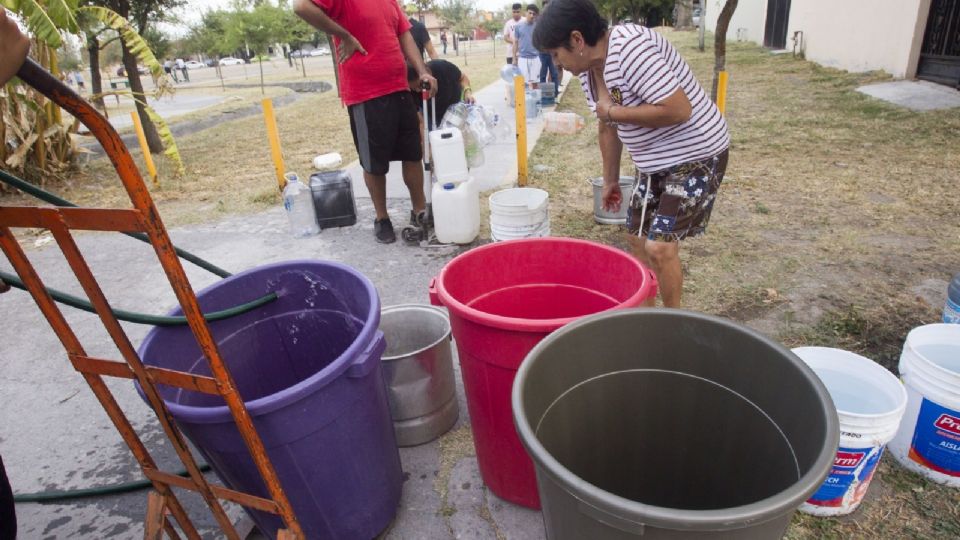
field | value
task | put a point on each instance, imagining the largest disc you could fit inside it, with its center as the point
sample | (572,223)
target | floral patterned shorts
(680,199)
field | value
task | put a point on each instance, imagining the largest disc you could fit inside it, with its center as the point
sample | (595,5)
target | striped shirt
(642,67)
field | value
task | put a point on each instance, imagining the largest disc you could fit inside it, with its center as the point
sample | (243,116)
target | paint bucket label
(852,471)
(936,439)
(951,312)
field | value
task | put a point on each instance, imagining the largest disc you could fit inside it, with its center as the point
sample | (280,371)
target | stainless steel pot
(611,218)
(418,372)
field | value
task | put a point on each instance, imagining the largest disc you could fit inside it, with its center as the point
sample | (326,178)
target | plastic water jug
(532,103)
(298,202)
(456,211)
(562,122)
(332,193)
(448,155)
(548,93)
(951,311)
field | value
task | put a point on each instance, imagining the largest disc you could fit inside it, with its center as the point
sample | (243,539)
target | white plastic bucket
(928,442)
(519,213)
(870,402)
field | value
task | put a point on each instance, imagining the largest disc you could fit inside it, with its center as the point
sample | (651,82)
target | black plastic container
(333,198)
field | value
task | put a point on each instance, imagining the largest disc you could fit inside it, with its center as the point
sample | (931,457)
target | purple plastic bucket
(308,368)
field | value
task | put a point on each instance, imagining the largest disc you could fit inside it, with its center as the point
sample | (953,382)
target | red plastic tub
(503,299)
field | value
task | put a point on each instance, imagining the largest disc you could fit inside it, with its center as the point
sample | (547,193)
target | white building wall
(859,35)
(854,35)
(748,19)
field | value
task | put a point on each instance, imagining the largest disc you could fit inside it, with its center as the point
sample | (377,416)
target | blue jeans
(546,62)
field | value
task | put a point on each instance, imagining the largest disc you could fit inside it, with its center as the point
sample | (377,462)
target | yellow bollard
(520,100)
(147,156)
(722,92)
(274,137)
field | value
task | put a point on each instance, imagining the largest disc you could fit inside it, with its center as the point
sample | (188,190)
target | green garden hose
(129,316)
(53,496)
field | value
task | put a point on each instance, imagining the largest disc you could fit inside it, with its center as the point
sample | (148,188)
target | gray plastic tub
(671,424)
(418,372)
(606,217)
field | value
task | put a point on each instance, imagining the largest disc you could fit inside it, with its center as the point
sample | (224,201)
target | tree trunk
(96,82)
(136,88)
(720,43)
(684,13)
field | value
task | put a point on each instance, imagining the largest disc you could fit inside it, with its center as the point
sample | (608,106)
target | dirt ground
(837,223)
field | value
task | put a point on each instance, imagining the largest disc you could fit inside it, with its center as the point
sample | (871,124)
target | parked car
(230,61)
(320,51)
(121,71)
(193,64)
(696,16)
(298,53)
(210,62)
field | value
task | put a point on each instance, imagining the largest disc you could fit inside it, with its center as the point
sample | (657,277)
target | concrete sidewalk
(55,435)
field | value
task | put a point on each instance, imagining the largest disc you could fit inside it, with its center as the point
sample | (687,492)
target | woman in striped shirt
(646,98)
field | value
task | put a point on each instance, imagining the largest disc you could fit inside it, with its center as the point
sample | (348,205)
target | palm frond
(63,14)
(134,41)
(40,24)
(169,143)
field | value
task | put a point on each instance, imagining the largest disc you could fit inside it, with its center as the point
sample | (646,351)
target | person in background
(182,66)
(78,77)
(372,38)
(14,47)
(422,38)
(547,66)
(525,55)
(443,40)
(453,86)
(508,27)
(647,98)
(168,69)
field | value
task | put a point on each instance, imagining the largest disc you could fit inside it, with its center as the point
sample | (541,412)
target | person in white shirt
(508,30)
(646,99)
(182,66)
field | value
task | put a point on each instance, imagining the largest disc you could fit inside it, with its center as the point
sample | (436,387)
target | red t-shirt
(377,25)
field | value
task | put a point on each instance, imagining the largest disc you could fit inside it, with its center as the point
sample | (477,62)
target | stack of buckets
(519,213)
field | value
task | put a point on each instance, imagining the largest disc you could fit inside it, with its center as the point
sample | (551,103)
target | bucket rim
(416,307)
(919,333)
(736,517)
(456,307)
(298,391)
(890,382)
(624,180)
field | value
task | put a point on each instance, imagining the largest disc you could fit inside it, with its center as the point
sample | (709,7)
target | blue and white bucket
(951,308)
(870,402)
(928,442)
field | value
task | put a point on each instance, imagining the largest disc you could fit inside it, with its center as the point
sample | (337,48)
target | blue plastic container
(308,368)
(951,310)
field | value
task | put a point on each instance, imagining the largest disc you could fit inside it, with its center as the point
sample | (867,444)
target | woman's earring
(581,53)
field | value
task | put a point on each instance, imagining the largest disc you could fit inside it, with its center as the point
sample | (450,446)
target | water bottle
(951,311)
(472,148)
(298,202)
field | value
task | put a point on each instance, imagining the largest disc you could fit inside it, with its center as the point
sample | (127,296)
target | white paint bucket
(928,442)
(519,213)
(870,402)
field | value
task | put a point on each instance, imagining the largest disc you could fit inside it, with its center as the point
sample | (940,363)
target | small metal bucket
(611,218)
(418,372)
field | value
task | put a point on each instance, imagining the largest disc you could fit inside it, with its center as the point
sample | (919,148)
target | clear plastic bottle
(298,202)
(562,122)
(472,147)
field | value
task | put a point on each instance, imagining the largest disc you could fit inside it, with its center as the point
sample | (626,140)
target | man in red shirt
(372,37)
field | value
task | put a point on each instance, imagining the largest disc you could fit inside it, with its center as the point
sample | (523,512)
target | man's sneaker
(383,230)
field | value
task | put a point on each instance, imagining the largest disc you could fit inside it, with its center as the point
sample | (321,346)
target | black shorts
(385,129)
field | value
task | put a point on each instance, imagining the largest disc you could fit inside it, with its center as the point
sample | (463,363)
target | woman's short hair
(564,16)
